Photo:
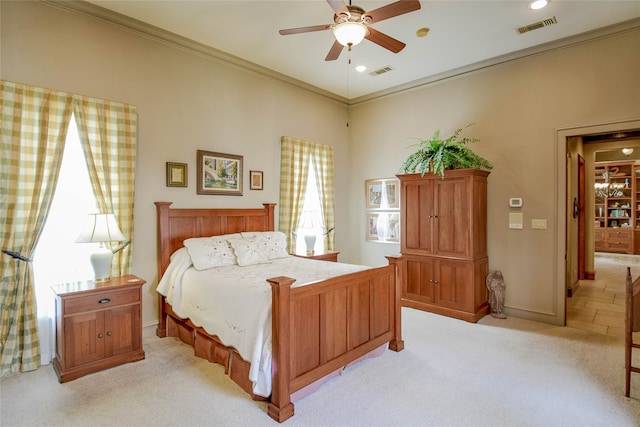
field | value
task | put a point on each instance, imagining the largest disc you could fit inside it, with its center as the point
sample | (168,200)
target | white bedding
(234,302)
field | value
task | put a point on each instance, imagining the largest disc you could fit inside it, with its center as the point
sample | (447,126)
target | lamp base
(310,240)
(101,263)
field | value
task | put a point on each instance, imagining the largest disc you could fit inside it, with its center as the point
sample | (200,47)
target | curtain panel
(34,127)
(295,157)
(108,135)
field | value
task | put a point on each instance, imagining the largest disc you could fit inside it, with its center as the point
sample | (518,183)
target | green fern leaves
(436,155)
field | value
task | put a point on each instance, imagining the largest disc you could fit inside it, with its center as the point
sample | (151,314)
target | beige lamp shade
(101,228)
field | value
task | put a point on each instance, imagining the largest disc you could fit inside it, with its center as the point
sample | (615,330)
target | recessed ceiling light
(538,4)
(422,32)
(361,68)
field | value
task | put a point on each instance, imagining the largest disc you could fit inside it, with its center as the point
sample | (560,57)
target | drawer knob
(104,300)
(109,333)
(100,335)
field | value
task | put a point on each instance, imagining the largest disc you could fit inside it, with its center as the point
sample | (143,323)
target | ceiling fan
(352,25)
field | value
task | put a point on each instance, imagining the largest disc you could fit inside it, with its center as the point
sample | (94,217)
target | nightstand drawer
(101,300)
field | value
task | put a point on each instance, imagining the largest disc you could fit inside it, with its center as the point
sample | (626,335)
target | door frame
(564,198)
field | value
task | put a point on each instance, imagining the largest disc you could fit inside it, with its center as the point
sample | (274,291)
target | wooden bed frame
(317,328)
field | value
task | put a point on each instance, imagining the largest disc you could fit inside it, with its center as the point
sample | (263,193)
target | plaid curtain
(108,135)
(295,157)
(34,128)
(322,157)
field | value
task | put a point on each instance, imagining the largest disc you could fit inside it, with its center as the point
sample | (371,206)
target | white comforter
(234,302)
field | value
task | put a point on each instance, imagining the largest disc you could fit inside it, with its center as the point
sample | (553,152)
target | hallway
(599,305)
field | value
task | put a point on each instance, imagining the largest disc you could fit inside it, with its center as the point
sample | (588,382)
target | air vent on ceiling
(380,71)
(538,25)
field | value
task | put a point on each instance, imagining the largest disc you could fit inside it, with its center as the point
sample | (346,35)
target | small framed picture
(382,193)
(255,178)
(219,173)
(176,174)
(383,227)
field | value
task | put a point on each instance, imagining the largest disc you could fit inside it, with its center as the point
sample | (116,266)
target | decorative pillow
(249,251)
(209,252)
(275,243)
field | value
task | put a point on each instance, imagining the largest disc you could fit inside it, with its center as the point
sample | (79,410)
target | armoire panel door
(454,289)
(421,275)
(452,224)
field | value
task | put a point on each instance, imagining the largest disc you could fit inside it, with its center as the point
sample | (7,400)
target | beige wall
(522,109)
(185,102)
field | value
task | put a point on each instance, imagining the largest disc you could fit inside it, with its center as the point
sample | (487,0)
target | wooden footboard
(321,327)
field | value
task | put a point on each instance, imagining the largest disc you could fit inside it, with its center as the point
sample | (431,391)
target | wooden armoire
(443,264)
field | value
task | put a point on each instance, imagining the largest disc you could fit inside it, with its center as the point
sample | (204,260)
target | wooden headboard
(176,225)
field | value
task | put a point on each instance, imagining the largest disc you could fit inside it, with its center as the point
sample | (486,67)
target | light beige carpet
(495,373)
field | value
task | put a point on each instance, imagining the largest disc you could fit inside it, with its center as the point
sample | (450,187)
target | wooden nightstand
(324,256)
(98,325)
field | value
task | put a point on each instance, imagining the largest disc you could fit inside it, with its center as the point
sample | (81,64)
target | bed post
(162,209)
(280,407)
(397,343)
(270,216)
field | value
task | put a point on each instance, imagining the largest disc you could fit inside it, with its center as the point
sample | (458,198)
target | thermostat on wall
(515,202)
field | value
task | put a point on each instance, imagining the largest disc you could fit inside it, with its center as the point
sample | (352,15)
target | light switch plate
(540,224)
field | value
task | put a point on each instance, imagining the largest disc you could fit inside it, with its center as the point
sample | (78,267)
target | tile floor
(598,305)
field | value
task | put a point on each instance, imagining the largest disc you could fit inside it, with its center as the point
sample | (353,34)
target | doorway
(571,143)
(583,147)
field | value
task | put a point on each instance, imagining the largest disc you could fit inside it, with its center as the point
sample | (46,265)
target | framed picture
(176,174)
(219,173)
(383,226)
(255,178)
(382,193)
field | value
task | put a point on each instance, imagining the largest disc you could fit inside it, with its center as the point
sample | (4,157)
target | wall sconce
(627,151)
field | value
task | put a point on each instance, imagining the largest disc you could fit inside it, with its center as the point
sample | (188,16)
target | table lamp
(101,228)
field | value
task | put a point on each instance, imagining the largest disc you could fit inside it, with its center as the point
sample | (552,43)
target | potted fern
(436,155)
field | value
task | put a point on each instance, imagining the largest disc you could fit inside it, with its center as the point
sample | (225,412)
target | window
(306,194)
(58,258)
(311,222)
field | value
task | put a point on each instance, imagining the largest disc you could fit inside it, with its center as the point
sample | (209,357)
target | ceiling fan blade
(334,52)
(394,9)
(384,40)
(305,29)
(338,6)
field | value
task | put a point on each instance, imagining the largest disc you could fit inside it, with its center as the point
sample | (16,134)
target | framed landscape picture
(383,227)
(382,193)
(219,173)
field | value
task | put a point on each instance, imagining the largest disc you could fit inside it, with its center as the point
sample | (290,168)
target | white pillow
(275,242)
(249,251)
(209,252)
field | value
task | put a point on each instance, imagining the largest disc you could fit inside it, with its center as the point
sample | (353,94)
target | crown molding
(587,37)
(159,34)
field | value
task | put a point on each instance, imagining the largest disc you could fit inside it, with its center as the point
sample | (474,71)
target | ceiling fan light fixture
(350,33)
